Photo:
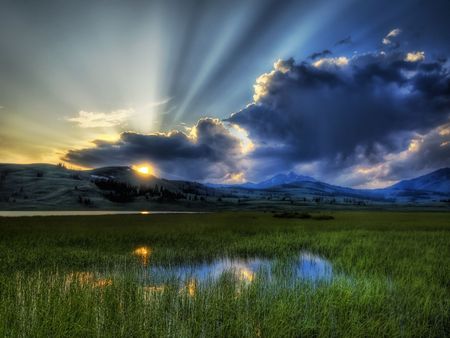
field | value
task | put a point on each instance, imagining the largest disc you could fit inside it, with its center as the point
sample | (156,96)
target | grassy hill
(49,187)
(53,187)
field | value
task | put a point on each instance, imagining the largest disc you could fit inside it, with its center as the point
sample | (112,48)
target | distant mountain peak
(279,179)
(289,177)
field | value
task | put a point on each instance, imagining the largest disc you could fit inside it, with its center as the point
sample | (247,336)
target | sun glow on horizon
(144,169)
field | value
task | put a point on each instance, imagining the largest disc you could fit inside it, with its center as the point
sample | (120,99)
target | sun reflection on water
(144,253)
(154,288)
(150,291)
(245,274)
(305,267)
(84,278)
(191,287)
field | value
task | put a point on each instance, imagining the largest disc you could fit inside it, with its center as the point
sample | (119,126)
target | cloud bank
(346,112)
(209,150)
(364,120)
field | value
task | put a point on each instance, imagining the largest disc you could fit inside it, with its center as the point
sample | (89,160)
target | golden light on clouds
(414,145)
(339,61)
(373,173)
(281,66)
(246,143)
(365,171)
(415,56)
(109,137)
(192,133)
(444,131)
(234,178)
(260,87)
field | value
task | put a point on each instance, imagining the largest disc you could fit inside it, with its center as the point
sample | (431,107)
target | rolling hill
(437,181)
(49,187)
(52,187)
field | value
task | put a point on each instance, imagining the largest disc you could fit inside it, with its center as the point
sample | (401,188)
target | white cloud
(260,87)
(392,34)
(87,119)
(326,62)
(157,103)
(415,56)
(240,133)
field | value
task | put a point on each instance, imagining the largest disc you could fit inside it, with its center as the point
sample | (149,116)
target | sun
(144,169)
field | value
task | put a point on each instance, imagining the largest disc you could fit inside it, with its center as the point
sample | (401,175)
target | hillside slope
(436,181)
(48,187)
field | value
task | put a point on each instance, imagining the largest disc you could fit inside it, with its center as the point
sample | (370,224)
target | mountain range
(45,186)
(278,179)
(435,182)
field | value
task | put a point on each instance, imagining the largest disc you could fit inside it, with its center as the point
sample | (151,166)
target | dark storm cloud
(208,151)
(346,41)
(344,111)
(321,54)
(426,152)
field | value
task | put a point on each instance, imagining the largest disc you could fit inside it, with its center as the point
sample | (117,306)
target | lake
(29,213)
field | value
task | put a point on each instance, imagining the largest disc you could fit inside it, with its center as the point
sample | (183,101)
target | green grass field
(77,276)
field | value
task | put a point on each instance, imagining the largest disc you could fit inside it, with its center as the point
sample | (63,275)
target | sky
(355,93)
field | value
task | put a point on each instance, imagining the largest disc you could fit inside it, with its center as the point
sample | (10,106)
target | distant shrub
(303,215)
(119,192)
(75,177)
(299,215)
(84,200)
(3,175)
(323,217)
(119,197)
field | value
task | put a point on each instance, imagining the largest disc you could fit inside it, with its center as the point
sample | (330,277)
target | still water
(86,213)
(304,267)
(154,278)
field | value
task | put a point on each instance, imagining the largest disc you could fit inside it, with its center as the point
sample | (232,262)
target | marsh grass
(298,215)
(303,215)
(76,276)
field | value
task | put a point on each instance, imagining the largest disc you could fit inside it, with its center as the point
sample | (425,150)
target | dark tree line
(117,191)
(121,192)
